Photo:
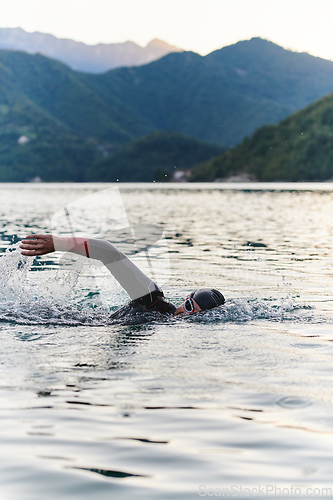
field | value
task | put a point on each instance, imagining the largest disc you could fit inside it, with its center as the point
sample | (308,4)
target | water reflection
(111,473)
(157,409)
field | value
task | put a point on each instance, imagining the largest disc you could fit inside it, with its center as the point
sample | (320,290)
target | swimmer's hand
(41,244)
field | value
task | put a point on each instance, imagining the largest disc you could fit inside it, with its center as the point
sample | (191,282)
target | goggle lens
(188,305)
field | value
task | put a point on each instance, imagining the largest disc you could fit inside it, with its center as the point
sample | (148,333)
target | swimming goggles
(189,305)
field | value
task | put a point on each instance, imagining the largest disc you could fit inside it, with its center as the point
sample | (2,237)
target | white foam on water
(61,299)
(58,299)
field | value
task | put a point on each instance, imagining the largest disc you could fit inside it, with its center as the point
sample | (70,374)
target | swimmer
(144,293)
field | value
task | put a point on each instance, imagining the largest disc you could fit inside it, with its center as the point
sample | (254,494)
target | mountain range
(70,118)
(80,56)
(219,98)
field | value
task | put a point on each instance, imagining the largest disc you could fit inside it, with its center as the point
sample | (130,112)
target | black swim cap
(207,298)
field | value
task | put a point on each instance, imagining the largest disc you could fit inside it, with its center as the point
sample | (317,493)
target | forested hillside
(64,122)
(298,148)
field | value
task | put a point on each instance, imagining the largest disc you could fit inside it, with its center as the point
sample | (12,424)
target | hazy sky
(198,25)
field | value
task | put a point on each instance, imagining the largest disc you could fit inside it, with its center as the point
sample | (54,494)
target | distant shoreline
(186,186)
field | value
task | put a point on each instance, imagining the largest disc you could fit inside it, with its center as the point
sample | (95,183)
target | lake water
(236,400)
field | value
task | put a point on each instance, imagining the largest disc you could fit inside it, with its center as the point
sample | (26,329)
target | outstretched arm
(130,277)
(41,244)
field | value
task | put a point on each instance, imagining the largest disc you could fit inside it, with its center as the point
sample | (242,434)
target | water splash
(55,300)
(61,299)
(245,310)
(14,269)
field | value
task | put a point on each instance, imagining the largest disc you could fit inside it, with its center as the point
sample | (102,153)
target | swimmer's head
(201,300)
(208,298)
